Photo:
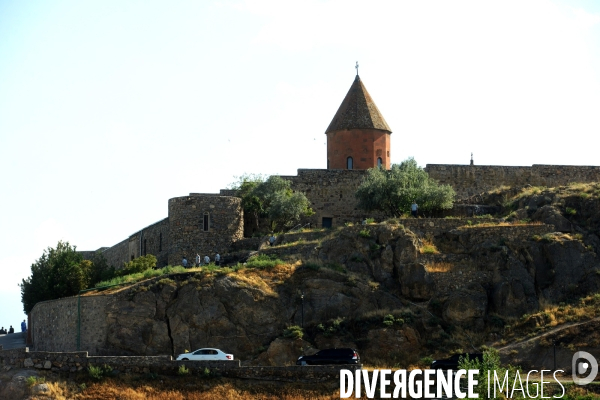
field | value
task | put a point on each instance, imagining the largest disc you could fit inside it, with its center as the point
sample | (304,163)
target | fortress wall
(331,193)
(186,231)
(54,324)
(152,239)
(118,254)
(469,180)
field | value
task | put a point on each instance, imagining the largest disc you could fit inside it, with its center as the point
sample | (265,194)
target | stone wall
(54,325)
(118,254)
(152,239)
(79,361)
(187,236)
(331,193)
(469,180)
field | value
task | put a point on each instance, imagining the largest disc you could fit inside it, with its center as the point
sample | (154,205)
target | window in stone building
(206,222)
(349,163)
(379,162)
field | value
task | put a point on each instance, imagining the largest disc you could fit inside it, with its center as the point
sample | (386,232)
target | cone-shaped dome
(358,111)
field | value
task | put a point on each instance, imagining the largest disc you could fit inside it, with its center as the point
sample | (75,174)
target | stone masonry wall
(186,234)
(469,180)
(118,254)
(54,324)
(331,193)
(152,239)
(79,361)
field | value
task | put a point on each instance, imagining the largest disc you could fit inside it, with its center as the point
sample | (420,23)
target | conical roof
(358,111)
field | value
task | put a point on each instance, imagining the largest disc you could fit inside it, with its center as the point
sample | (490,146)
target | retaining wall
(468,180)
(78,361)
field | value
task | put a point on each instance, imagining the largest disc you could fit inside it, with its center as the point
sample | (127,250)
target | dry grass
(193,390)
(265,279)
(428,247)
(439,267)
(504,223)
(551,315)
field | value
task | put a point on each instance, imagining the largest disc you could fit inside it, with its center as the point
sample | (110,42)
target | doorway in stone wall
(327,222)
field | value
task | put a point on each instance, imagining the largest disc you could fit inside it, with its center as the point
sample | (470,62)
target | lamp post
(302,298)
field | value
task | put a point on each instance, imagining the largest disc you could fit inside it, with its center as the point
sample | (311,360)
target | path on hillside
(550,332)
(12,341)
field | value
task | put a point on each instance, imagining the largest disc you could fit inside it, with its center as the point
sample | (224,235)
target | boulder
(551,216)
(282,352)
(466,306)
(415,282)
(16,387)
(400,344)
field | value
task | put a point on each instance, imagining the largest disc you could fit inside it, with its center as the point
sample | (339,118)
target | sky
(110,108)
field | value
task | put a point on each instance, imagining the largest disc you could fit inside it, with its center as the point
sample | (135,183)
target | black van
(331,356)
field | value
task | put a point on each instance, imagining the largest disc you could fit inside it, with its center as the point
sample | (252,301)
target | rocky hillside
(398,290)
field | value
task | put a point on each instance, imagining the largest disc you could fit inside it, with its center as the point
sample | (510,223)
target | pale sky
(110,108)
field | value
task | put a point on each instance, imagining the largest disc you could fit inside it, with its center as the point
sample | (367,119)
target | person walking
(206,260)
(184,262)
(272,240)
(198,261)
(24,328)
(414,209)
(218,259)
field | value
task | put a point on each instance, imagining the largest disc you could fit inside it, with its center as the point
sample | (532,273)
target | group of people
(12,330)
(201,261)
(4,332)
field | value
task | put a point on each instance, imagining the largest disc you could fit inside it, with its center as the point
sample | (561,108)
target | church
(358,138)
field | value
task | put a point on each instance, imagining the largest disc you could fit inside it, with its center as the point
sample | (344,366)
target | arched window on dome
(349,163)
(379,162)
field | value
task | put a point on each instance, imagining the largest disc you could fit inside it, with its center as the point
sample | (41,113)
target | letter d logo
(581,367)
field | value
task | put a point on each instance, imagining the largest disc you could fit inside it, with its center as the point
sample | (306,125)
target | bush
(293,332)
(139,264)
(264,261)
(365,233)
(99,372)
(183,370)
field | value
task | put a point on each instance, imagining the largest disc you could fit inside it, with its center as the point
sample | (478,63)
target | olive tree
(393,191)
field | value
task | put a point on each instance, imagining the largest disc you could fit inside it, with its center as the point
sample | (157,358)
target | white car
(205,355)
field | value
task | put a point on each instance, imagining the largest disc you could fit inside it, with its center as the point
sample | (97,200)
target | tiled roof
(358,111)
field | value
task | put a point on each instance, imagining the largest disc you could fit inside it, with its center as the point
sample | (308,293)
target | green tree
(273,199)
(491,363)
(139,264)
(100,270)
(393,191)
(59,272)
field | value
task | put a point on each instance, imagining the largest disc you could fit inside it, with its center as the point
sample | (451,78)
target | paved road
(12,341)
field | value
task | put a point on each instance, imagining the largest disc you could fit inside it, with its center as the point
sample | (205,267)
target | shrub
(426,361)
(293,332)
(365,233)
(99,372)
(570,211)
(314,265)
(183,370)
(389,320)
(429,249)
(264,261)
(139,264)
(34,380)
(370,220)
